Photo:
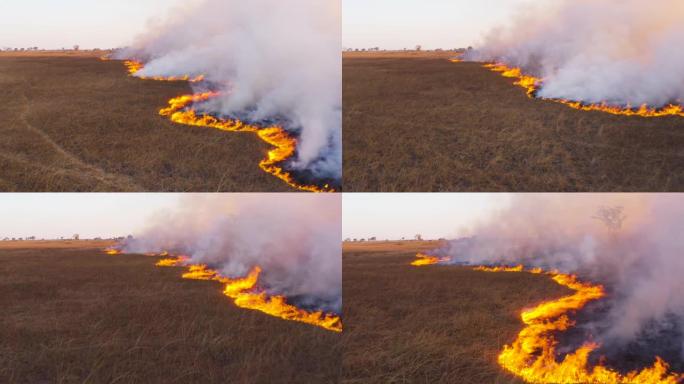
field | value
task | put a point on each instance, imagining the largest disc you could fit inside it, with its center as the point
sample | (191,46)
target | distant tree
(75,236)
(372,238)
(418,237)
(76,47)
(419,47)
(612,217)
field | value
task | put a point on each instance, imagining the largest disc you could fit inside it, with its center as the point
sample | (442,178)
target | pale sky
(398,24)
(433,215)
(52,215)
(53,24)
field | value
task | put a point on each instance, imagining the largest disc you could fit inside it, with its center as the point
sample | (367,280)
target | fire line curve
(180,111)
(532,85)
(532,356)
(245,292)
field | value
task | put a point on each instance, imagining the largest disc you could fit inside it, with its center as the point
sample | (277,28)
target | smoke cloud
(294,238)
(630,243)
(620,52)
(272,60)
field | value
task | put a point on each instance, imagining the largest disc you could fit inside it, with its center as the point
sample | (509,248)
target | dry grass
(420,123)
(57,244)
(75,123)
(433,324)
(79,316)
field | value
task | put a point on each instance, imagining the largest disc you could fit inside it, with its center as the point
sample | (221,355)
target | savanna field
(418,122)
(434,324)
(72,122)
(72,314)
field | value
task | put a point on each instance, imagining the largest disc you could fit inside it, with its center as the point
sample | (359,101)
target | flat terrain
(418,122)
(433,324)
(80,316)
(71,122)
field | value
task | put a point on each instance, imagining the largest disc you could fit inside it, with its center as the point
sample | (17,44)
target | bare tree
(76,47)
(418,237)
(612,217)
(419,47)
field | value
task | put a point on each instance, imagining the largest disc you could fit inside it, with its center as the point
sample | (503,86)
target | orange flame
(112,251)
(285,145)
(246,294)
(135,66)
(532,356)
(532,84)
(423,260)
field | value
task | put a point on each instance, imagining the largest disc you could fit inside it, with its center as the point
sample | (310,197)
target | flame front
(284,144)
(423,260)
(112,251)
(532,356)
(532,85)
(246,294)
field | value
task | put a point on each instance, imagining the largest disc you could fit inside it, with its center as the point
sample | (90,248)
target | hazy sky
(397,24)
(433,215)
(53,24)
(51,215)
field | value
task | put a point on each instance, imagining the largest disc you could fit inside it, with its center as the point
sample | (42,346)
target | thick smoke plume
(273,60)
(631,243)
(620,52)
(294,238)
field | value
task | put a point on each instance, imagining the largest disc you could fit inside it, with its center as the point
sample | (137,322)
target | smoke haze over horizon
(271,61)
(629,243)
(294,238)
(622,53)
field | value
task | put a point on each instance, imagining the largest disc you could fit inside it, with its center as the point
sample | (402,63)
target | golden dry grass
(75,123)
(420,123)
(79,316)
(435,324)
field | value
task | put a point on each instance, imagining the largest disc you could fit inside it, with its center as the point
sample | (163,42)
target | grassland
(432,324)
(71,122)
(417,122)
(75,315)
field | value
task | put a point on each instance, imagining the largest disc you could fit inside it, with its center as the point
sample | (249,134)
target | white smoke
(621,52)
(294,238)
(631,243)
(272,59)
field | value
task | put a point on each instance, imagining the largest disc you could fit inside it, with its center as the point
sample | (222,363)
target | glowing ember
(532,85)
(532,356)
(179,111)
(246,294)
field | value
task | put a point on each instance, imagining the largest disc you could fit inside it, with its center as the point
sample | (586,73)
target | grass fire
(180,111)
(245,294)
(536,288)
(533,355)
(242,294)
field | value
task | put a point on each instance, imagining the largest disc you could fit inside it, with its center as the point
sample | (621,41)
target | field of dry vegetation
(71,122)
(417,122)
(76,315)
(434,324)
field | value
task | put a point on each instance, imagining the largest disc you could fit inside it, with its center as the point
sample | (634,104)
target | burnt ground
(434,324)
(77,315)
(417,122)
(76,123)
